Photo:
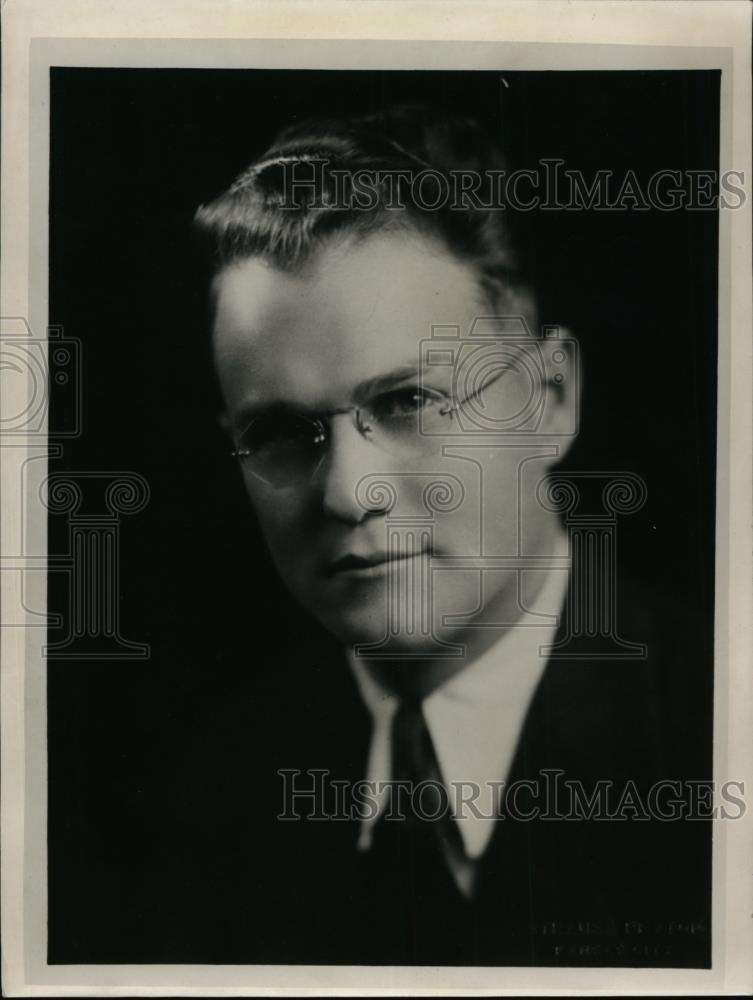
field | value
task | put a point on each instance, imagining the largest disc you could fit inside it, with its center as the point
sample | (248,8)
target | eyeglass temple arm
(477,392)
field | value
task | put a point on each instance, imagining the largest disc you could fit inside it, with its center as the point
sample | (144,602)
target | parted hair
(325,177)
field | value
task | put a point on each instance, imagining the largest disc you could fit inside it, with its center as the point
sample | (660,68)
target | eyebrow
(367,387)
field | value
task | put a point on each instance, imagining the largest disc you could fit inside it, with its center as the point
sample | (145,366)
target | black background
(133,152)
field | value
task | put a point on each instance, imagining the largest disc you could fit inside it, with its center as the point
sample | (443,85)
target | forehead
(355,311)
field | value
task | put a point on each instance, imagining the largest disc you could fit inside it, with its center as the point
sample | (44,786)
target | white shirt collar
(476,717)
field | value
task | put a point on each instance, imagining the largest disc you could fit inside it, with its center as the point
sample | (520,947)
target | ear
(562,372)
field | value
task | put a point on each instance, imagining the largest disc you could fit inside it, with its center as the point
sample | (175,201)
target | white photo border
(384,34)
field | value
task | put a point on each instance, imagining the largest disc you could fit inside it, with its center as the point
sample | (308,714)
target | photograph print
(386,626)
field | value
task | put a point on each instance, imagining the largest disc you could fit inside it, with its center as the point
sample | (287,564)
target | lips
(373,561)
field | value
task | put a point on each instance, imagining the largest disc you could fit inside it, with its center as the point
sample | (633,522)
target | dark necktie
(414,911)
(417,835)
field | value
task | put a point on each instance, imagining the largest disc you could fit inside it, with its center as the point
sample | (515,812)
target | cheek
(499,489)
(280,519)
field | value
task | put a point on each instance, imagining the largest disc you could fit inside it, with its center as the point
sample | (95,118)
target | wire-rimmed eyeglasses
(286,448)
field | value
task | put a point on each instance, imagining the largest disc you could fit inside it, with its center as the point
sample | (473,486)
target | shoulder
(632,698)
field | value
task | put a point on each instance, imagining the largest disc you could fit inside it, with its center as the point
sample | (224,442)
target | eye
(406,402)
(278,431)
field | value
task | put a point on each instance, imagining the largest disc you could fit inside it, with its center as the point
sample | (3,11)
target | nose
(350,458)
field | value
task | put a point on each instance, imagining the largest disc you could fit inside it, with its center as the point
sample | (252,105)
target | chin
(353,629)
(366,629)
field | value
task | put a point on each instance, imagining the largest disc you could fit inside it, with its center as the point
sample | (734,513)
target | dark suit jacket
(198,868)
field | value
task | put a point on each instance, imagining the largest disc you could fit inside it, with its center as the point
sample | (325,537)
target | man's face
(340,331)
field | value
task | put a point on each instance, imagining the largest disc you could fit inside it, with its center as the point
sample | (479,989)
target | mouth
(370,565)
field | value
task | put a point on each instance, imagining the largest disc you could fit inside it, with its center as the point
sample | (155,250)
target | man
(421,780)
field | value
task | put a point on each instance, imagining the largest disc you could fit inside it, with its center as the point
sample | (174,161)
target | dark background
(133,152)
